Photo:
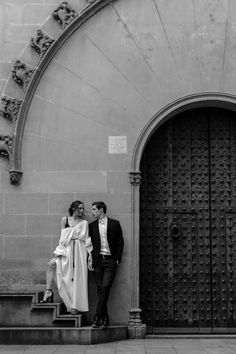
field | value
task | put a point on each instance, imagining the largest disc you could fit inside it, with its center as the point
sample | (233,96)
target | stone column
(135,327)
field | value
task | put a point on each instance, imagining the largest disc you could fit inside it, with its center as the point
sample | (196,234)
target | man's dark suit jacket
(114,238)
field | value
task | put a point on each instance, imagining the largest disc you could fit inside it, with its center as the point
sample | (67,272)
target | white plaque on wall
(117,145)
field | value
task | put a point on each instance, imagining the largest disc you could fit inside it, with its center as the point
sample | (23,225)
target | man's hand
(90,262)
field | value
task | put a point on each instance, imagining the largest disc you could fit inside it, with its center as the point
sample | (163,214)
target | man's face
(96,212)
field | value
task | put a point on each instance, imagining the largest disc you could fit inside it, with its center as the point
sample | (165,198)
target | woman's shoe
(74,312)
(48,296)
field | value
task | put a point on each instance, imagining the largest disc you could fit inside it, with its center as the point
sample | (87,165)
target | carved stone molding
(22,73)
(135,178)
(64,14)
(15,177)
(41,42)
(10,109)
(28,78)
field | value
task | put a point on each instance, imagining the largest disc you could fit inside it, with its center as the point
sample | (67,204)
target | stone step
(60,335)
(22,309)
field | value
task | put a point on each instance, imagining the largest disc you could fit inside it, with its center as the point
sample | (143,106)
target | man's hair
(100,205)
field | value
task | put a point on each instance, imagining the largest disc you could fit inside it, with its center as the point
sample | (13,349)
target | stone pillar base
(136,329)
(137,332)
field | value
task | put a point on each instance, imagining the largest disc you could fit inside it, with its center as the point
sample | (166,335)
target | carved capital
(10,109)
(135,178)
(64,14)
(15,177)
(41,42)
(22,73)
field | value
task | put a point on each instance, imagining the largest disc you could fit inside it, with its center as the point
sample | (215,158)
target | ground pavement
(221,345)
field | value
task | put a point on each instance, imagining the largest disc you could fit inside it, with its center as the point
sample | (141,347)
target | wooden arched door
(188,224)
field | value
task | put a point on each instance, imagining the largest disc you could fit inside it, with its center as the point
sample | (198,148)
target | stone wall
(125,64)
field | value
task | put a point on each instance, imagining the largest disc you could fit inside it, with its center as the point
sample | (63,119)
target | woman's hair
(74,205)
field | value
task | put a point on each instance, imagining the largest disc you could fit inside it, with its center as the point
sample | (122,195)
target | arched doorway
(188,224)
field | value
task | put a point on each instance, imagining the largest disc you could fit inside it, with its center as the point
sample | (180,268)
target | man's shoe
(106,322)
(97,322)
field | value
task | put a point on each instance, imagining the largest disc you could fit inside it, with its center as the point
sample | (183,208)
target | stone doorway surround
(136,328)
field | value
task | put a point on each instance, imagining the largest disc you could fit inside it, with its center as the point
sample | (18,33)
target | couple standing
(97,246)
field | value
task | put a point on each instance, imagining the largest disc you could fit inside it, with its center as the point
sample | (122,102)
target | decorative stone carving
(15,177)
(10,109)
(22,73)
(135,178)
(41,42)
(6,142)
(64,14)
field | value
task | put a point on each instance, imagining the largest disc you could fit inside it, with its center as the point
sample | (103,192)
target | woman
(70,262)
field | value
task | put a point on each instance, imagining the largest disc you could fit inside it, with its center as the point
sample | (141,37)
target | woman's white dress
(71,267)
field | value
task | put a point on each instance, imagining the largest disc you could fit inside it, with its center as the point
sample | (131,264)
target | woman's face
(79,211)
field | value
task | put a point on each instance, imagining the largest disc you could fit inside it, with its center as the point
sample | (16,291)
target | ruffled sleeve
(66,235)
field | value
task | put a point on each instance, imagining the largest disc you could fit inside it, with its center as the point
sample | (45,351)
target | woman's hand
(90,261)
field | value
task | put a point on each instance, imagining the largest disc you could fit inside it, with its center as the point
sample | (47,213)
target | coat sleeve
(120,241)
(88,241)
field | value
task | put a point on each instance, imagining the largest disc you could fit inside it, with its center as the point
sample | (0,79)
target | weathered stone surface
(43,224)
(12,224)
(26,247)
(26,203)
(60,202)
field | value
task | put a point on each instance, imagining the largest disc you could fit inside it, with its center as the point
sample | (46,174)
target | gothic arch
(222,100)
(29,77)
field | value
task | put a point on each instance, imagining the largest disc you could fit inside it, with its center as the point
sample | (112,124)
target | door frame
(210,99)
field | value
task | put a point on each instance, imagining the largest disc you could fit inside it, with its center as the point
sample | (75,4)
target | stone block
(10,51)
(5,69)
(58,182)
(137,332)
(29,55)
(22,279)
(19,32)
(27,248)
(26,203)
(1,203)
(43,225)
(60,202)
(12,224)
(76,336)
(116,203)
(1,248)
(13,90)
(2,84)
(13,12)
(118,181)
(37,13)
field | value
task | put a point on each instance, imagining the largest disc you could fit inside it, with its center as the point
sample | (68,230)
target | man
(107,239)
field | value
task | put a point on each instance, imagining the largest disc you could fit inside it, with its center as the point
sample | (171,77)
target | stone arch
(222,100)
(28,78)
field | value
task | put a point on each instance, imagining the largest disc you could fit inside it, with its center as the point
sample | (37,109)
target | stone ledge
(84,335)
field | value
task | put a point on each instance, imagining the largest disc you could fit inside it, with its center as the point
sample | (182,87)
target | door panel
(187,222)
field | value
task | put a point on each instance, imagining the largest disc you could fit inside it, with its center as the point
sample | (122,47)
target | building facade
(131,102)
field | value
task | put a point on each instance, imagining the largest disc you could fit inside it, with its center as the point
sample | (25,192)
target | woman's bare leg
(50,273)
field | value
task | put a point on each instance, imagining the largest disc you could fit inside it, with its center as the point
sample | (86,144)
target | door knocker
(175,230)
